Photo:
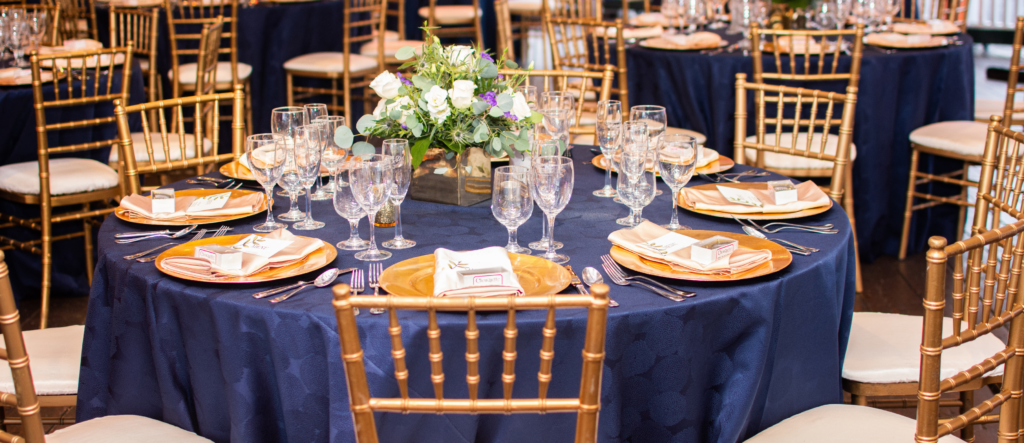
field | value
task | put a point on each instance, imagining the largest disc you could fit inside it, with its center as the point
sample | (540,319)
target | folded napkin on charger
(743,259)
(140,206)
(928,27)
(481,273)
(23,76)
(708,156)
(808,195)
(84,44)
(894,39)
(643,32)
(649,19)
(797,44)
(251,263)
(697,40)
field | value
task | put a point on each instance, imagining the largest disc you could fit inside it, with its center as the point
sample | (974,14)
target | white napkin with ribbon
(251,263)
(808,194)
(140,206)
(743,259)
(481,273)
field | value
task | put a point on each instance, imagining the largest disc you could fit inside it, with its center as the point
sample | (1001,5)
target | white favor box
(224,257)
(713,249)
(163,201)
(782,191)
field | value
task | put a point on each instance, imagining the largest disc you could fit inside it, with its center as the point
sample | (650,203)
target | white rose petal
(386,85)
(459,54)
(520,107)
(399,102)
(437,103)
(462,93)
(379,111)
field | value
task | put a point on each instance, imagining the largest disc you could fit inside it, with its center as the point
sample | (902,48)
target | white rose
(459,55)
(437,103)
(380,110)
(399,102)
(520,107)
(386,85)
(462,93)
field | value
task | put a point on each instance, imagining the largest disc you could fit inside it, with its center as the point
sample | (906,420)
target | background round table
(721,366)
(899,92)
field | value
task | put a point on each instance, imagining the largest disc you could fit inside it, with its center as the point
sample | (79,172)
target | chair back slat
(547,355)
(141,27)
(1013,106)
(76,11)
(436,357)
(503,20)
(786,42)
(185,22)
(398,354)
(588,9)
(508,370)
(589,44)
(472,355)
(209,49)
(576,82)
(923,10)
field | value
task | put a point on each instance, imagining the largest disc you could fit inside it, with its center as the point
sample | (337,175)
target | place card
(711,250)
(223,257)
(215,201)
(740,196)
(668,243)
(261,246)
(163,201)
(471,274)
(782,192)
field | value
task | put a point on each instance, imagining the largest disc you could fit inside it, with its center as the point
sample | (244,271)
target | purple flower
(487,57)
(404,80)
(404,126)
(490,97)
(511,116)
(501,77)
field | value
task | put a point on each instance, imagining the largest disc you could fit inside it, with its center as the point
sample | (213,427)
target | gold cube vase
(457,179)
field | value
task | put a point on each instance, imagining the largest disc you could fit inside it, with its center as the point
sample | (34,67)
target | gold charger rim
(272,274)
(123,214)
(417,264)
(723,164)
(236,170)
(886,44)
(752,216)
(654,43)
(781,258)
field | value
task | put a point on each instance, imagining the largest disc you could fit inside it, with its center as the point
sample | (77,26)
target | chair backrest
(79,11)
(503,19)
(23,400)
(1010,108)
(590,9)
(798,111)
(471,29)
(209,49)
(364,19)
(173,153)
(786,43)
(363,404)
(987,297)
(590,45)
(185,22)
(578,83)
(139,26)
(396,9)
(921,10)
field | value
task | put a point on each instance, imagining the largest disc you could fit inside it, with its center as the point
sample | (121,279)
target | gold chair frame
(139,26)
(503,20)
(580,9)
(563,81)
(952,10)
(363,405)
(471,30)
(584,44)
(75,10)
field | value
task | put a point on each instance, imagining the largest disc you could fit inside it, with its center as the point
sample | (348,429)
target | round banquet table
(721,366)
(899,92)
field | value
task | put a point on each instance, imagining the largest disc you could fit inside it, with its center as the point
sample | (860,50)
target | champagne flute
(636,196)
(347,207)
(657,123)
(333,154)
(291,183)
(308,150)
(314,111)
(551,179)
(267,155)
(371,184)
(512,203)
(401,156)
(609,136)
(545,148)
(676,160)
(283,121)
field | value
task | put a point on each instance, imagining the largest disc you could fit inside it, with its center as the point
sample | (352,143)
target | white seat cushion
(961,136)
(123,429)
(143,63)
(55,355)
(779,161)
(389,35)
(524,6)
(886,348)
(583,139)
(188,72)
(843,424)
(451,14)
(390,47)
(700,138)
(986,108)
(139,143)
(330,62)
(67,176)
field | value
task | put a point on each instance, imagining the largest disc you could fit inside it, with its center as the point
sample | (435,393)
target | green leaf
(496,112)
(423,105)
(495,146)
(535,117)
(407,65)
(417,151)
(389,101)
(522,145)
(422,82)
(405,53)
(505,102)
(416,130)
(524,135)
(489,71)
(363,125)
(511,64)
(481,133)
(363,148)
(343,136)
(395,114)
(412,120)
(561,146)
(479,107)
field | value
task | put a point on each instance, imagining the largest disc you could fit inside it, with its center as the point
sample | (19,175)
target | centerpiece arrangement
(457,112)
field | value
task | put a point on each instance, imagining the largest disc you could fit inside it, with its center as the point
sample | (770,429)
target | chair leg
(87,235)
(905,236)
(859,400)
(334,95)
(848,206)
(966,403)
(249,129)
(44,310)
(288,89)
(346,85)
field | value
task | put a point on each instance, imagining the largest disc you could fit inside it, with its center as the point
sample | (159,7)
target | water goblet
(530,94)
(371,184)
(655,118)
(512,203)
(551,179)
(291,183)
(283,121)
(399,151)
(676,160)
(560,100)
(267,155)
(333,154)
(694,13)
(670,10)
(717,10)
(545,148)
(636,196)
(308,150)
(36,27)
(609,136)
(347,207)
(314,111)
(554,126)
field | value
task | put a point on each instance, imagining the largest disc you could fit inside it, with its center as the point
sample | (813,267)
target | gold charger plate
(754,216)
(318,259)
(238,171)
(660,43)
(722,164)
(235,193)
(415,276)
(934,42)
(780,259)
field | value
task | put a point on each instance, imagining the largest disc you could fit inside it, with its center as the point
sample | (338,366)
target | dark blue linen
(898,93)
(733,360)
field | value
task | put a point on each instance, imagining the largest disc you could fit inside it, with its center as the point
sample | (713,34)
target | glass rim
(330,118)
(511,170)
(264,137)
(679,136)
(288,109)
(396,141)
(646,108)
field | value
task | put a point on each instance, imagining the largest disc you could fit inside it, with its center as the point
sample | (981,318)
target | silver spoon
(794,248)
(592,277)
(322,280)
(269,292)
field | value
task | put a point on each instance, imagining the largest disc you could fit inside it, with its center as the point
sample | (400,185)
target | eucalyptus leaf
(561,146)
(363,148)
(489,71)
(407,65)
(495,146)
(479,107)
(416,130)
(423,105)
(402,90)
(389,101)
(481,133)
(364,124)
(412,120)
(496,112)
(422,82)
(522,145)
(511,64)
(395,114)
(524,135)
(505,102)
(448,155)
(405,53)
(343,136)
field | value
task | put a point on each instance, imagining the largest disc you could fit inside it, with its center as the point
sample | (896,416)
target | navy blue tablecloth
(721,366)
(898,92)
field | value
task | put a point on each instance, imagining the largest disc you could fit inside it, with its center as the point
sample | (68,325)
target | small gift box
(713,249)
(224,257)
(782,191)
(163,201)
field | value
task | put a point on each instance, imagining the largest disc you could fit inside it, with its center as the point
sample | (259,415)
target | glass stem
(354,231)
(293,196)
(398,220)
(639,216)
(608,176)
(675,209)
(544,231)
(373,241)
(551,235)
(309,204)
(270,205)
(513,242)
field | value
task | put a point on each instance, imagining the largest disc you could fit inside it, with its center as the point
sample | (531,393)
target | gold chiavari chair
(81,14)
(961,140)
(139,26)
(574,9)
(28,405)
(503,19)
(922,10)
(363,404)
(454,20)
(950,355)
(355,71)
(526,15)
(185,21)
(578,83)
(62,184)
(393,40)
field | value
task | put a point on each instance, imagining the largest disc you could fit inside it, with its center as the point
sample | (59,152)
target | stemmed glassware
(551,179)
(333,154)
(717,9)
(694,13)
(890,8)
(371,184)
(347,207)
(267,155)
(635,142)
(398,150)
(670,10)
(283,121)
(676,159)
(308,150)
(654,117)
(544,148)
(512,202)
(636,195)
(609,137)
(313,112)
(554,126)
(18,36)
(560,100)
(36,27)
(291,183)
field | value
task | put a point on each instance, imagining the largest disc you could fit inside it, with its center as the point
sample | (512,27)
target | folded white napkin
(642,32)
(708,156)
(743,259)
(140,206)
(797,44)
(894,39)
(251,263)
(928,27)
(649,19)
(697,40)
(482,273)
(808,194)
(23,76)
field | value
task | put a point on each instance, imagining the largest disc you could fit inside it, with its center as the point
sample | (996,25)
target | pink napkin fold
(808,194)
(140,206)
(743,259)
(484,272)
(251,263)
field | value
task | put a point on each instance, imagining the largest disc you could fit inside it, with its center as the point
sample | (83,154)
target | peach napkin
(481,273)
(140,206)
(649,19)
(708,156)
(696,40)
(928,27)
(743,259)
(23,76)
(798,44)
(808,193)
(251,263)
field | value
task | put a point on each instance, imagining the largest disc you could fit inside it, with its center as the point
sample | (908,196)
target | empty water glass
(371,184)
(636,196)
(313,112)
(346,205)
(554,126)
(544,148)
(676,160)
(333,154)
(267,156)
(291,183)
(609,137)
(398,149)
(551,179)
(308,149)
(511,202)
(283,121)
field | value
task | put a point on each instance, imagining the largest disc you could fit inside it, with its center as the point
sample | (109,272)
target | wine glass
(694,13)
(560,100)
(676,160)
(636,195)
(283,121)
(530,94)
(18,38)
(36,27)
(670,10)
(347,207)
(551,179)
(371,184)
(333,154)
(291,183)
(308,150)
(512,203)
(554,126)
(539,149)
(655,118)
(890,8)
(398,149)
(267,155)
(609,136)
(314,111)
(717,10)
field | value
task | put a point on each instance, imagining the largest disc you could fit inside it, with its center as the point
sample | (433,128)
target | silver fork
(375,270)
(355,281)
(607,259)
(198,236)
(797,227)
(180,233)
(223,230)
(619,280)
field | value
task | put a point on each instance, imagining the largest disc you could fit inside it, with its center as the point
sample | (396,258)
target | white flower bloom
(520,107)
(437,103)
(462,93)
(379,111)
(460,55)
(384,110)
(386,85)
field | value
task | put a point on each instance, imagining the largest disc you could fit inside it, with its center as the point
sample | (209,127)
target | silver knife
(575,281)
